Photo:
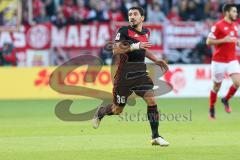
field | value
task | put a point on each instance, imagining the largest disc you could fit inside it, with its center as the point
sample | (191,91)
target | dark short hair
(228,6)
(140,9)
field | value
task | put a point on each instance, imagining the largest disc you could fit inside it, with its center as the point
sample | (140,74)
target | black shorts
(123,90)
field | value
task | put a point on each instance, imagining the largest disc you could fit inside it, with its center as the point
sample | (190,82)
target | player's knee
(150,101)
(236,84)
(216,88)
(117,110)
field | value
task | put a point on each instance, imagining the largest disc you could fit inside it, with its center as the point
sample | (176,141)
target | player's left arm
(159,62)
(238,42)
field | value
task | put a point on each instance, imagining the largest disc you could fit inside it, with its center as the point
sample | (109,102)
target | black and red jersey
(131,35)
(131,64)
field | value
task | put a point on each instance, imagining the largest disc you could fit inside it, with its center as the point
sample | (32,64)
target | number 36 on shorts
(121,99)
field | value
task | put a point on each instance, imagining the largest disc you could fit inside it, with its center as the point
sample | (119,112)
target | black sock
(153,118)
(105,110)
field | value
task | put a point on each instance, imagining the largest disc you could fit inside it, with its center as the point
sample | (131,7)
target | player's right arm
(213,39)
(125,46)
(227,39)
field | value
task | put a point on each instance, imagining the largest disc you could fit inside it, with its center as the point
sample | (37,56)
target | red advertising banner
(90,36)
(171,36)
(45,36)
(38,37)
(183,34)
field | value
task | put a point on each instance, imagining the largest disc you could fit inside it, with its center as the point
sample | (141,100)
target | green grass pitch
(29,130)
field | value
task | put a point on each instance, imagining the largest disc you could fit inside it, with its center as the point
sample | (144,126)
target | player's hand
(229,39)
(162,64)
(120,47)
(238,43)
(145,45)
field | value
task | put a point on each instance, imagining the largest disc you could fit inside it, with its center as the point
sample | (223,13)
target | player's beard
(232,18)
(134,25)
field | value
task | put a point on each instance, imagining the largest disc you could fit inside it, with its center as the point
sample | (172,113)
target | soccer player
(131,45)
(223,36)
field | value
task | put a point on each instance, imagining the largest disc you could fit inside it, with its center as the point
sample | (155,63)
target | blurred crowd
(62,12)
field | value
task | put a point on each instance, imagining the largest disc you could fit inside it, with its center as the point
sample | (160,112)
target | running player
(131,45)
(223,36)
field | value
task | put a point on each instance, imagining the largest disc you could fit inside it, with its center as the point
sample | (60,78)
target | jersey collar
(227,22)
(133,29)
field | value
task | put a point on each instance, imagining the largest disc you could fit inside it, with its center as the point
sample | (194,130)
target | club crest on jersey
(117,36)
(146,36)
(213,29)
(231,33)
(235,27)
(136,35)
(225,28)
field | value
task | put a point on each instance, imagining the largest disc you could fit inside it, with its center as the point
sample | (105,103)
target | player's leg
(234,72)
(232,90)
(152,113)
(103,110)
(153,117)
(236,80)
(145,91)
(213,98)
(120,95)
(218,70)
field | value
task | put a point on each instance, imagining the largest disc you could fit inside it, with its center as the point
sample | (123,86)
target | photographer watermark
(141,116)
(94,65)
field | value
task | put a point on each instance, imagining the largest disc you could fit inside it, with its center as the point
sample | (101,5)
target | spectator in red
(37,5)
(114,13)
(68,8)
(173,15)
(81,10)
(8,55)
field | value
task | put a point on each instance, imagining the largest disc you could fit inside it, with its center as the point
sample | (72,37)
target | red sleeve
(120,17)
(121,34)
(215,31)
(148,33)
